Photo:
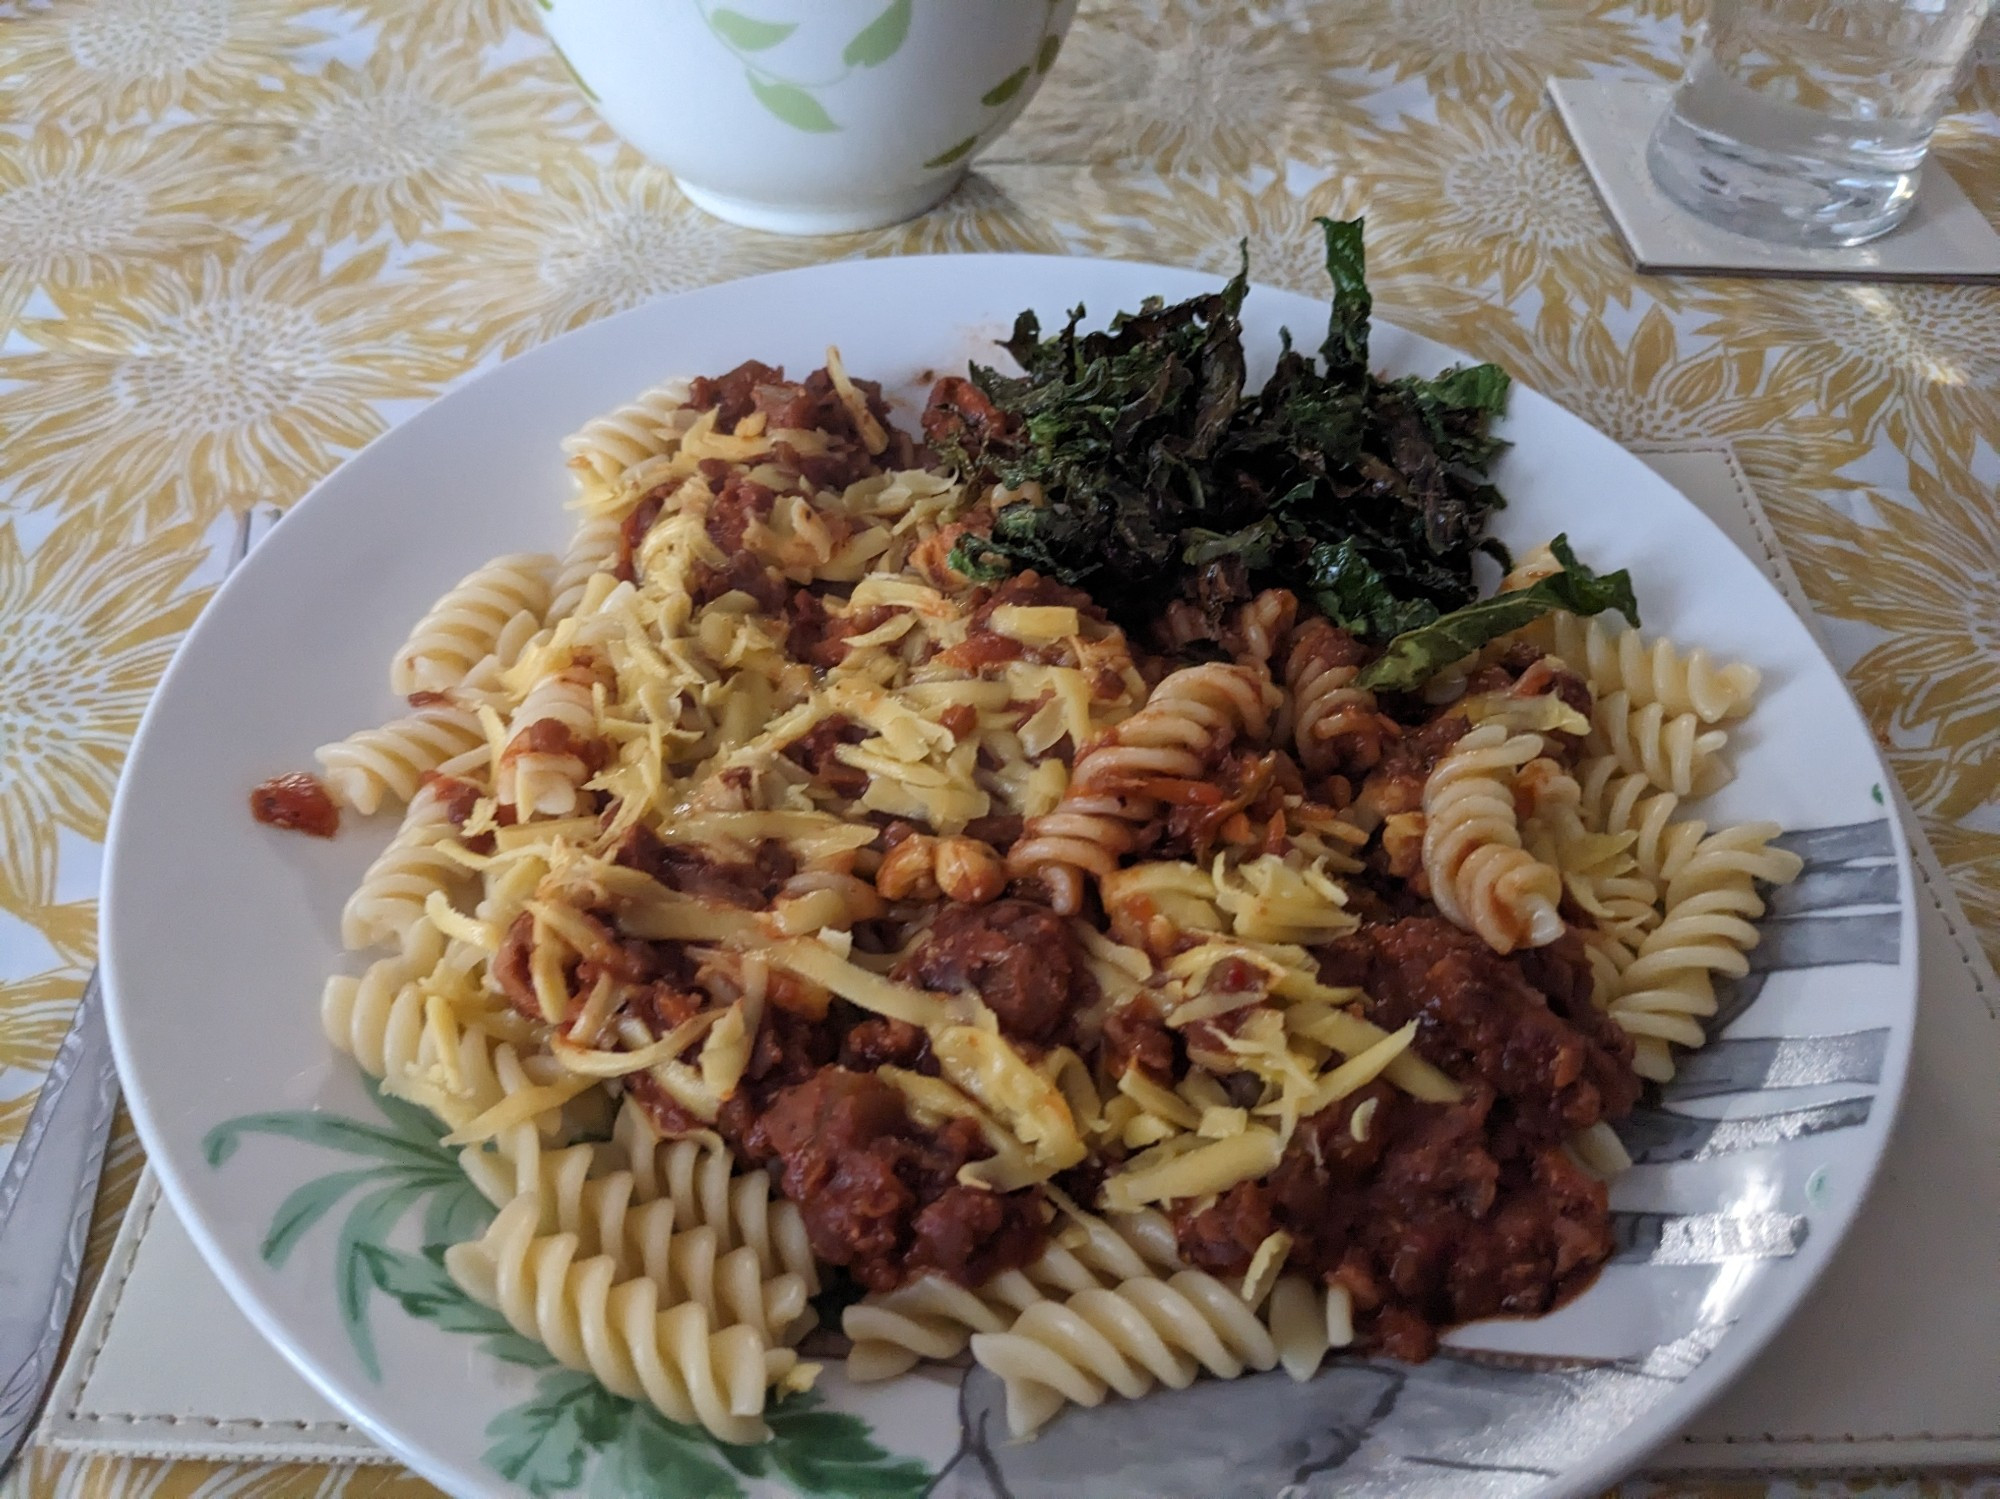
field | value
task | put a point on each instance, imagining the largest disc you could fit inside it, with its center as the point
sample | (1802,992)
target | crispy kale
(1421,651)
(1162,477)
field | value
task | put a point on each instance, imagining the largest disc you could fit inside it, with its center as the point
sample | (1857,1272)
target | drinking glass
(1806,121)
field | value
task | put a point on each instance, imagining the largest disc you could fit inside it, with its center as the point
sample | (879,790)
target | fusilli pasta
(541,773)
(1125,1340)
(934,1317)
(389,902)
(1674,753)
(689,1364)
(389,763)
(645,427)
(1707,928)
(1334,722)
(594,549)
(697,1176)
(1190,718)
(464,627)
(1657,672)
(1307,1321)
(1480,876)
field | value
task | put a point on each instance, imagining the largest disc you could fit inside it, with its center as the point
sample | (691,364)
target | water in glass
(1806,121)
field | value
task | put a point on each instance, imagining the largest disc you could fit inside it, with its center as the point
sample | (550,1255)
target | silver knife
(45,1203)
(50,1186)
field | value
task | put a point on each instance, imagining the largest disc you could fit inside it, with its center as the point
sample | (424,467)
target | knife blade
(46,1199)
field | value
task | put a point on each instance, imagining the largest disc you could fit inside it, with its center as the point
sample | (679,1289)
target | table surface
(240,238)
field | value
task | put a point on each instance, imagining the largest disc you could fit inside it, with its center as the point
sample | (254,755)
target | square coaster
(1945,238)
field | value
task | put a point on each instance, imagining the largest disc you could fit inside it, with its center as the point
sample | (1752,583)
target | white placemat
(1893,1363)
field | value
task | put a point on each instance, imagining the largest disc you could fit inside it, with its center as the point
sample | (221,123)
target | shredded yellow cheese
(1214,1166)
(988,1069)
(815,961)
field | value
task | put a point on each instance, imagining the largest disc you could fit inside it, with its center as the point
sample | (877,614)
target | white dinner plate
(315,1201)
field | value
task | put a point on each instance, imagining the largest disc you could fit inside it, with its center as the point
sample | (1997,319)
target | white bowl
(810,116)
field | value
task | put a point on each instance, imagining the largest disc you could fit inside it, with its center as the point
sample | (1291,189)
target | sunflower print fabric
(241,238)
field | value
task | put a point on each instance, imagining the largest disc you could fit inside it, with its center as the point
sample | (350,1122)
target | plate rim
(1619,1454)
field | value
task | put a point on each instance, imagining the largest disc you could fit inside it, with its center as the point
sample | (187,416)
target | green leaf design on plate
(747,33)
(409,1166)
(421,1285)
(571,1432)
(1005,89)
(654,1455)
(826,1452)
(371,1222)
(305,1207)
(881,39)
(330,1131)
(1046,57)
(454,1217)
(543,1443)
(792,104)
(957,153)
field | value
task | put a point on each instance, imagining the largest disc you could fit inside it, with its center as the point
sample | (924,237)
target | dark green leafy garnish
(1415,656)
(1164,478)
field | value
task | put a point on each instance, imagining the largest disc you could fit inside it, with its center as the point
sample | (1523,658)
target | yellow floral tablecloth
(239,238)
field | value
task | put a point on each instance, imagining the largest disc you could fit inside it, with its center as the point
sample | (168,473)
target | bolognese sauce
(296,801)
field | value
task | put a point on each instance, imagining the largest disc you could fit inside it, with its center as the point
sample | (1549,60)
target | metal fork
(50,1186)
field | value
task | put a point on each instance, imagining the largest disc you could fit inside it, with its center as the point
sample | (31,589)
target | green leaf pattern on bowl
(881,39)
(794,99)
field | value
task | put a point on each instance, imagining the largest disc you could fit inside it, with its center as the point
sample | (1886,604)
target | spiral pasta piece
(1599,872)
(542,774)
(389,763)
(465,625)
(1126,1340)
(611,1216)
(378,1018)
(385,1020)
(388,904)
(1659,672)
(699,1178)
(1259,628)
(613,1213)
(1617,803)
(676,1357)
(1189,719)
(484,680)
(933,1317)
(593,549)
(1708,929)
(1307,1321)
(1334,722)
(1742,851)
(1481,878)
(1673,752)
(1158,753)
(646,427)
(1087,834)
(1669,984)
